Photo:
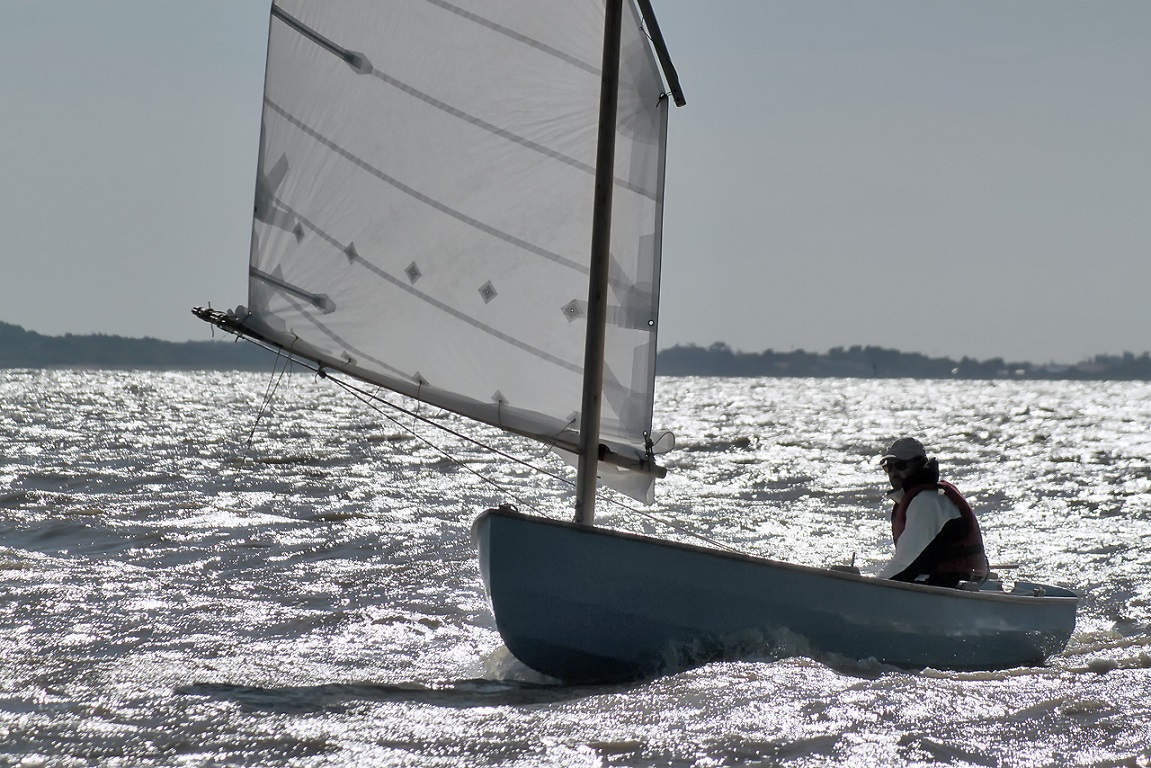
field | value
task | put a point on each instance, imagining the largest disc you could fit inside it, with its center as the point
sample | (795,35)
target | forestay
(424,205)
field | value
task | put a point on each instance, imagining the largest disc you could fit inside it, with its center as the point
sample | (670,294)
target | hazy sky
(969,177)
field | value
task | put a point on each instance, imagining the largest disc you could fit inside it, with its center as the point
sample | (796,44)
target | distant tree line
(26,349)
(878,362)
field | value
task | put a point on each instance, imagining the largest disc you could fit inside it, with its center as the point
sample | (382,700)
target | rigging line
(365,396)
(464,437)
(265,404)
(269,395)
(370,399)
(453,432)
(674,526)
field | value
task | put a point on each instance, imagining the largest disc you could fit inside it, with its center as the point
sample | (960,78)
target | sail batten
(323,302)
(427,200)
(587,66)
(354,59)
(424,206)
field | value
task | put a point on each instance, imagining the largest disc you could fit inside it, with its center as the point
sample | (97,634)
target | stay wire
(265,405)
(371,399)
(269,395)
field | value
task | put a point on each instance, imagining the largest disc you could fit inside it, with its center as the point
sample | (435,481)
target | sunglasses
(894,465)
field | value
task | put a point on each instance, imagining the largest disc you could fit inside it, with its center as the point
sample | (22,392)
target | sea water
(243,569)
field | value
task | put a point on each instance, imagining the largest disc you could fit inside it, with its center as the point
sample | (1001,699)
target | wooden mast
(600,259)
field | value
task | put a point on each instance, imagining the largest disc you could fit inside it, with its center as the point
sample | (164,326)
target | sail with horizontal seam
(423,207)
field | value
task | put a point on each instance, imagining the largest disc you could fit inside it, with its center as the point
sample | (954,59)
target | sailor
(937,538)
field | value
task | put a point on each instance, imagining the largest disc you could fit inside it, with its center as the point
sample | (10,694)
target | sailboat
(463,204)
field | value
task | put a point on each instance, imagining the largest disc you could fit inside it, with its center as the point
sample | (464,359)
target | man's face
(896,470)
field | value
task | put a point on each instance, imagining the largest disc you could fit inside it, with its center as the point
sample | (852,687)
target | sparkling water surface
(226,568)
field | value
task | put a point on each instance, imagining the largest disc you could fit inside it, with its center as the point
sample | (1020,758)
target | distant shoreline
(27,349)
(20,348)
(860,362)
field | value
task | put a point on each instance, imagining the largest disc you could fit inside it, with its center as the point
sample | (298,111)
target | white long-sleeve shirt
(926,515)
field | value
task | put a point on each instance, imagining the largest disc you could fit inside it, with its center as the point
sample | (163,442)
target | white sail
(424,205)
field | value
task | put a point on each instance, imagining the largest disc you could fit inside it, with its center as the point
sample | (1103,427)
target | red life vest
(965,557)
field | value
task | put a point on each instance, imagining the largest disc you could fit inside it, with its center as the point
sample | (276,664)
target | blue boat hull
(588,605)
